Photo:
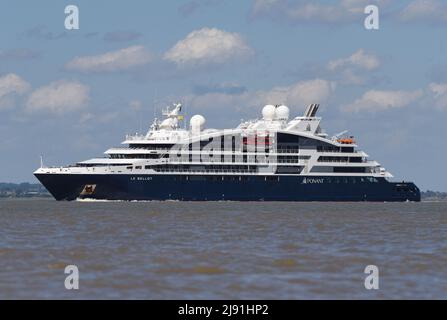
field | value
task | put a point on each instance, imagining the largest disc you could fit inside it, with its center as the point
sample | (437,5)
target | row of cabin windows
(100,165)
(232,168)
(287,149)
(151,146)
(283,141)
(406,189)
(211,168)
(227,178)
(335,149)
(191,158)
(280,149)
(155,156)
(138,156)
(351,180)
(238,168)
(335,180)
(349,170)
(340,159)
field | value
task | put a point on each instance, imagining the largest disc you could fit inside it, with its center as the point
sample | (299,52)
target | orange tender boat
(346,141)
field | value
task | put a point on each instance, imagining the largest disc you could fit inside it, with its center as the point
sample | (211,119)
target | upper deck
(272,144)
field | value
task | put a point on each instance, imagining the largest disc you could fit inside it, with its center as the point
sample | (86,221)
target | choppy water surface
(222,250)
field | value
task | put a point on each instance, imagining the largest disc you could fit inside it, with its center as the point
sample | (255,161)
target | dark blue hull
(235,188)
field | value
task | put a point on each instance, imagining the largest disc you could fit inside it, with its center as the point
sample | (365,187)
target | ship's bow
(61,186)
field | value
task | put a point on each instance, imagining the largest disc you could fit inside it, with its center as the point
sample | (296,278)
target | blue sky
(71,94)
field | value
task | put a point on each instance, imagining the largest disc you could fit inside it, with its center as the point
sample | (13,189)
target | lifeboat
(346,141)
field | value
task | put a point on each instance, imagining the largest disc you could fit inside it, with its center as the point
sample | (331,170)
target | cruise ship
(272,158)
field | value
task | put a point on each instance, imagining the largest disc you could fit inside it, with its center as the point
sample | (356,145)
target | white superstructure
(273,144)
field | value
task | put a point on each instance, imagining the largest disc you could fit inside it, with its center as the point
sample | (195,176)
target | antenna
(336,136)
(155,102)
(41,161)
(185,116)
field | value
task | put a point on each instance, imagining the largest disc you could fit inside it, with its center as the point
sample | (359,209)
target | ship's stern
(406,191)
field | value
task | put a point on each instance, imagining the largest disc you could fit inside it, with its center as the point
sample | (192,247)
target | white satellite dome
(197,122)
(269,112)
(282,112)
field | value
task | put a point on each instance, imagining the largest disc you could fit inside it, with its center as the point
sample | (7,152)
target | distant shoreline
(23,190)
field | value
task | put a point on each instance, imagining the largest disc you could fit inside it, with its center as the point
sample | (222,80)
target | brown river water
(222,250)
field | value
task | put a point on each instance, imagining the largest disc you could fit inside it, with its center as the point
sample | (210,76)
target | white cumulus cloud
(262,6)
(12,83)
(10,86)
(355,69)
(359,59)
(306,11)
(120,60)
(429,11)
(376,100)
(439,93)
(297,96)
(208,46)
(59,97)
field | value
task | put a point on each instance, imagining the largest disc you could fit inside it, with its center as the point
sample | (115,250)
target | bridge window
(347,149)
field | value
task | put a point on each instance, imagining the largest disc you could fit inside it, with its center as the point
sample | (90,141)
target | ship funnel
(311,110)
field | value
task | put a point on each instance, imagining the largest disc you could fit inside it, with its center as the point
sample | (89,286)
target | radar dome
(282,112)
(269,112)
(197,122)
